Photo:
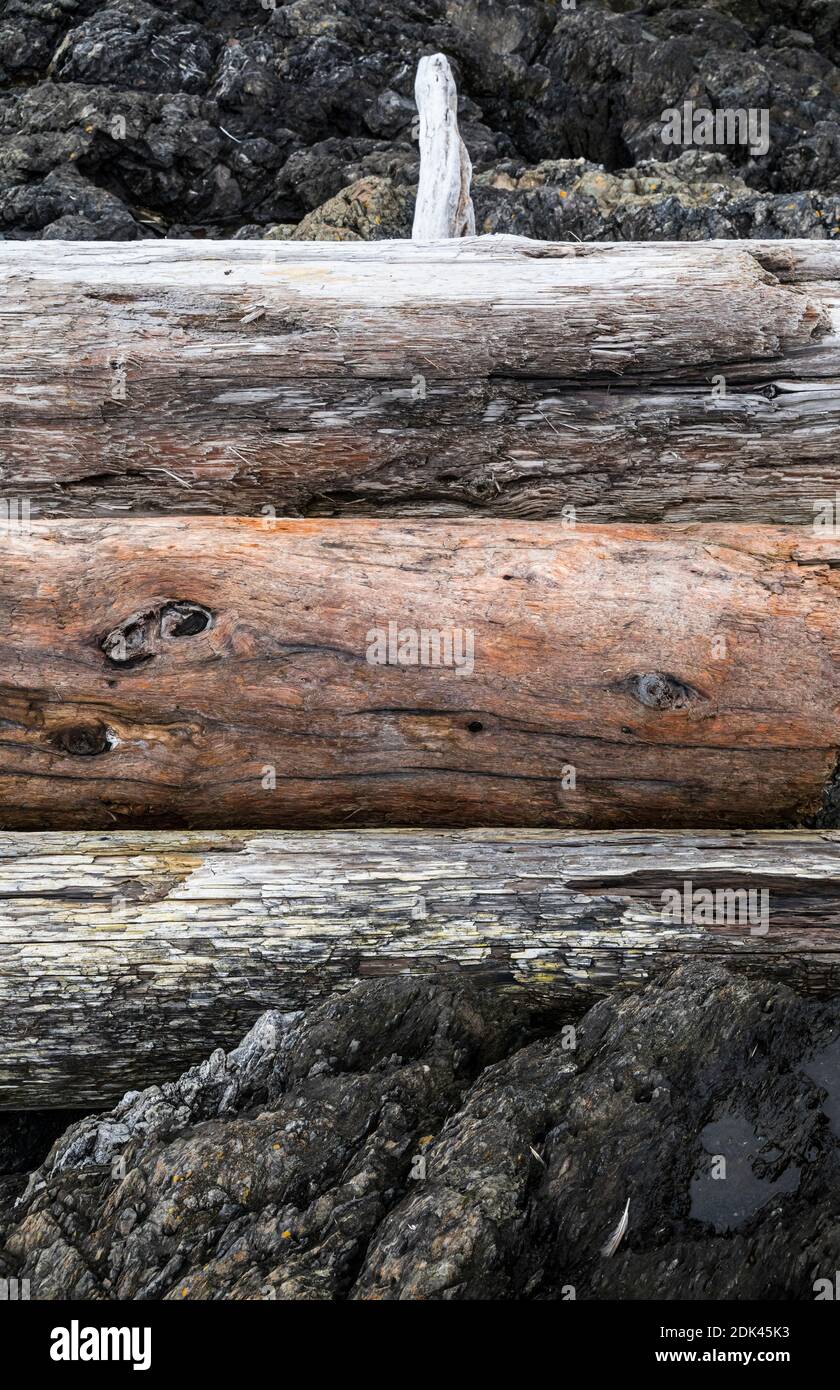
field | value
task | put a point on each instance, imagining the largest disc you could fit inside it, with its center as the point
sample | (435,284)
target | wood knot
(83,740)
(659,690)
(183,620)
(141,636)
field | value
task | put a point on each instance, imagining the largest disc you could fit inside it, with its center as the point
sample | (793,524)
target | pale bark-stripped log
(489,374)
(185,673)
(126,957)
(444,206)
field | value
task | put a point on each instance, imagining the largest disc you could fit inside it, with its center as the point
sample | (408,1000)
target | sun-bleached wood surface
(126,957)
(497,375)
(221,672)
(443,207)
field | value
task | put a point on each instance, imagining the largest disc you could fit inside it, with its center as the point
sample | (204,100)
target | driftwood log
(126,957)
(220,672)
(639,382)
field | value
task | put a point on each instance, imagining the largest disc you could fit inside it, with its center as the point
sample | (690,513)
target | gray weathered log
(124,957)
(689,381)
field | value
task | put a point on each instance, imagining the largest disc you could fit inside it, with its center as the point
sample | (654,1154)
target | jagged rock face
(25,1137)
(201,118)
(691,198)
(407,1140)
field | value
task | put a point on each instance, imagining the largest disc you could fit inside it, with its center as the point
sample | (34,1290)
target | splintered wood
(494,375)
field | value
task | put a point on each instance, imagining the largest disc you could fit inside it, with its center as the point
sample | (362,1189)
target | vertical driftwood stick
(444,207)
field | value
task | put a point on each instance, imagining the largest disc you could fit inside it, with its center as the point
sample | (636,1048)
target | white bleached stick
(444,207)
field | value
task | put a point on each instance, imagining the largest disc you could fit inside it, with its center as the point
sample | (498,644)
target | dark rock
(67,205)
(25,1139)
(136,46)
(663,1085)
(312,176)
(264,1173)
(406,1140)
(201,117)
(608,78)
(692,198)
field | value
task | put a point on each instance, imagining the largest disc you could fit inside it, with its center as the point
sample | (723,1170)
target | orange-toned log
(179,673)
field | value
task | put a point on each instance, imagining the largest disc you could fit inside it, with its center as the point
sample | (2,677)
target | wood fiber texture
(200,673)
(494,375)
(126,957)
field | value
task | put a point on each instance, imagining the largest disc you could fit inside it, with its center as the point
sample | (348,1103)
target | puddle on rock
(824,1069)
(727,1202)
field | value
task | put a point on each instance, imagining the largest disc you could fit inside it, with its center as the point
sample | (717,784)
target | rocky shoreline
(407,1139)
(128,120)
(412,1140)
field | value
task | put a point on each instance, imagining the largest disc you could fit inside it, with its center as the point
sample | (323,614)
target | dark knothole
(138,638)
(183,619)
(659,690)
(83,740)
(475,726)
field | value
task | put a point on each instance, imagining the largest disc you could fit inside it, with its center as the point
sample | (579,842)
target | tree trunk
(126,957)
(185,673)
(651,381)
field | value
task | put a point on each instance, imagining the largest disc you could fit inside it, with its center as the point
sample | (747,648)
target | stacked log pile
(481,533)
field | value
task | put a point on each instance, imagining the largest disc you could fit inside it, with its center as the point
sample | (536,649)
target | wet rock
(263,1173)
(201,119)
(695,1101)
(406,1140)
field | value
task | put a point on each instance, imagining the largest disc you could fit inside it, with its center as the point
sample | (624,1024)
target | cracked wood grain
(443,207)
(125,957)
(493,375)
(200,673)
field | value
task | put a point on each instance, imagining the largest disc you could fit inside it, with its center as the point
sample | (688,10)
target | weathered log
(126,957)
(695,381)
(185,673)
